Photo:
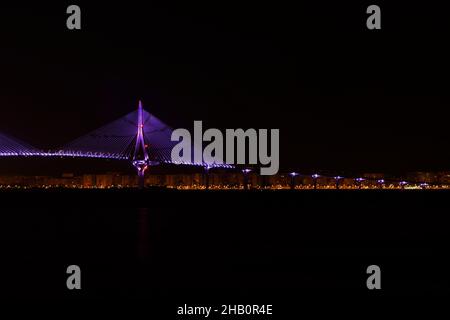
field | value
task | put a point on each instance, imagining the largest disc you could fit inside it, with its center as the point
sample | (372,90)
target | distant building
(89,181)
(104,180)
(225,179)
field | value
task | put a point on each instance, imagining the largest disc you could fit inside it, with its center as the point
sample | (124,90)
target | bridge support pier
(141,166)
(141,180)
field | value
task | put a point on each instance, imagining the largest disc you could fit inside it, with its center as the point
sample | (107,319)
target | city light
(139,157)
(221,180)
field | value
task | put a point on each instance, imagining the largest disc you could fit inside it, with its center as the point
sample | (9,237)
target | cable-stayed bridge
(12,147)
(138,137)
(141,139)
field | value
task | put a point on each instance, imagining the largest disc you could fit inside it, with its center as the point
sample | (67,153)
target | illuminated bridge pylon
(139,137)
(140,155)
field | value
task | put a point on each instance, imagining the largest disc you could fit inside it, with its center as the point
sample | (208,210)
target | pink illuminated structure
(140,155)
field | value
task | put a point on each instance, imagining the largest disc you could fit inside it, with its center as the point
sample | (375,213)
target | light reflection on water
(143,245)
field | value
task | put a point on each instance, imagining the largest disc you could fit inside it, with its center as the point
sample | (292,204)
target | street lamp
(315,176)
(246,172)
(293,175)
(424,185)
(207,168)
(403,184)
(337,179)
(359,182)
(380,183)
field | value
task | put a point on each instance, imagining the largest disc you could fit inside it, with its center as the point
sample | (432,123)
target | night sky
(344,98)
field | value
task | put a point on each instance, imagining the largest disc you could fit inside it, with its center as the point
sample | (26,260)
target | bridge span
(138,137)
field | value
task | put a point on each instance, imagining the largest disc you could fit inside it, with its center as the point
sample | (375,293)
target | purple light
(315,176)
(246,171)
(359,179)
(293,174)
(381,181)
(149,135)
(402,183)
(338,178)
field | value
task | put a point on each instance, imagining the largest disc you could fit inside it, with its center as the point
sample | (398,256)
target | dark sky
(344,98)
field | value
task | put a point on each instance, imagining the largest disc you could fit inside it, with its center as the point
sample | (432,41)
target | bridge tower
(140,156)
